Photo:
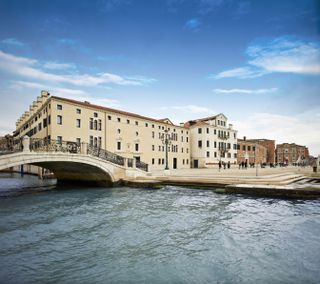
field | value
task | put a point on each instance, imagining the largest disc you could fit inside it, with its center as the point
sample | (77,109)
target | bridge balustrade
(51,145)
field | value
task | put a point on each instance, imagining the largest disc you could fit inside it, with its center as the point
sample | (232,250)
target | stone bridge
(72,162)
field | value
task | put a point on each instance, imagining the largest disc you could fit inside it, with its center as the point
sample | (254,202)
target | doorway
(174,163)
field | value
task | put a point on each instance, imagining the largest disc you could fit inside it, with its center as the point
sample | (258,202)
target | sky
(258,62)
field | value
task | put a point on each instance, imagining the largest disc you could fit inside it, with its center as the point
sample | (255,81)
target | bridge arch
(69,167)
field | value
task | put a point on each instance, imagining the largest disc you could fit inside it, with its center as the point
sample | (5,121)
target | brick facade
(250,151)
(269,145)
(289,153)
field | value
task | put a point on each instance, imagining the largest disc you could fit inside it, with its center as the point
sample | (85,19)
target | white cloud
(241,72)
(301,128)
(13,42)
(189,109)
(245,91)
(31,68)
(282,55)
(58,66)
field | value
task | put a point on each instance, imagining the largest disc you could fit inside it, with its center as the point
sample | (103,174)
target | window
(208,143)
(182,161)
(109,117)
(215,154)
(249,148)
(59,139)
(49,119)
(215,144)
(119,119)
(137,147)
(181,138)
(118,145)
(119,130)
(44,123)
(159,161)
(152,147)
(187,139)
(208,154)
(95,142)
(215,131)
(99,141)
(152,134)
(229,155)
(253,148)
(39,126)
(78,111)
(78,123)
(207,130)
(218,122)
(152,161)
(235,155)
(137,123)
(162,161)
(59,119)
(187,161)
(244,147)
(137,133)
(199,130)
(199,143)
(95,114)
(228,146)
(91,123)
(95,125)
(99,124)
(59,107)
(234,135)
(146,124)
(187,150)
(78,141)
(91,140)
(159,148)
(128,121)
(152,125)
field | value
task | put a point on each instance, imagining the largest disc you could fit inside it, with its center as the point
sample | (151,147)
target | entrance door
(174,163)
(196,164)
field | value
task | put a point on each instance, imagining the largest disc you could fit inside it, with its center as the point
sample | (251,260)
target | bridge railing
(105,155)
(141,165)
(9,145)
(51,145)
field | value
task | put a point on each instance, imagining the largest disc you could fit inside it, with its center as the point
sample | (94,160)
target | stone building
(291,153)
(127,134)
(251,152)
(270,145)
(212,140)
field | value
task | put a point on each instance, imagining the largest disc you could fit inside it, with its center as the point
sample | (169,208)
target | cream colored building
(126,134)
(212,140)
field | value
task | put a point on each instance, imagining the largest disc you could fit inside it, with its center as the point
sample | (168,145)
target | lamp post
(166,140)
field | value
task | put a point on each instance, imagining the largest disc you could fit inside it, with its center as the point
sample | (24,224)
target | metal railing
(105,155)
(142,166)
(8,146)
(50,145)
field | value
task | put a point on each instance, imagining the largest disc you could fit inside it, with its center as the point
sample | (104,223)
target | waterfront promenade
(280,181)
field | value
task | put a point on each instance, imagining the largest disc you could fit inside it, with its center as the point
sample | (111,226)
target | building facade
(212,140)
(270,145)
(291,153)
(251,152)
(127,134)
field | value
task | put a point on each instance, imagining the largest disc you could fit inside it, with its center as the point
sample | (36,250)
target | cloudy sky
(258,62)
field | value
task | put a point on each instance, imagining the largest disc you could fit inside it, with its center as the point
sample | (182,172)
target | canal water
(168,235)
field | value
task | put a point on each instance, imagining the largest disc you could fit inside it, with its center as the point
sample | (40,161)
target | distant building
(290,153)
(251,152)
(270,145)
(212,140)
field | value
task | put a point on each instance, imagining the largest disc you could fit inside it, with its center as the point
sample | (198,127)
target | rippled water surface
(169,235)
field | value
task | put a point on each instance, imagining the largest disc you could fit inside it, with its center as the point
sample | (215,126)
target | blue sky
(258,62)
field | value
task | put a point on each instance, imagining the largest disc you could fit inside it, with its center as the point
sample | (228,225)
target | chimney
(44,94)
(181,124)
(244,138)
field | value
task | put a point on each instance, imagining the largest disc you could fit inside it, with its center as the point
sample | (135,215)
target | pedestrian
(229,165)
(219,165)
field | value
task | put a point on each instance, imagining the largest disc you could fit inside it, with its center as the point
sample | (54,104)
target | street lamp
(166,140)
